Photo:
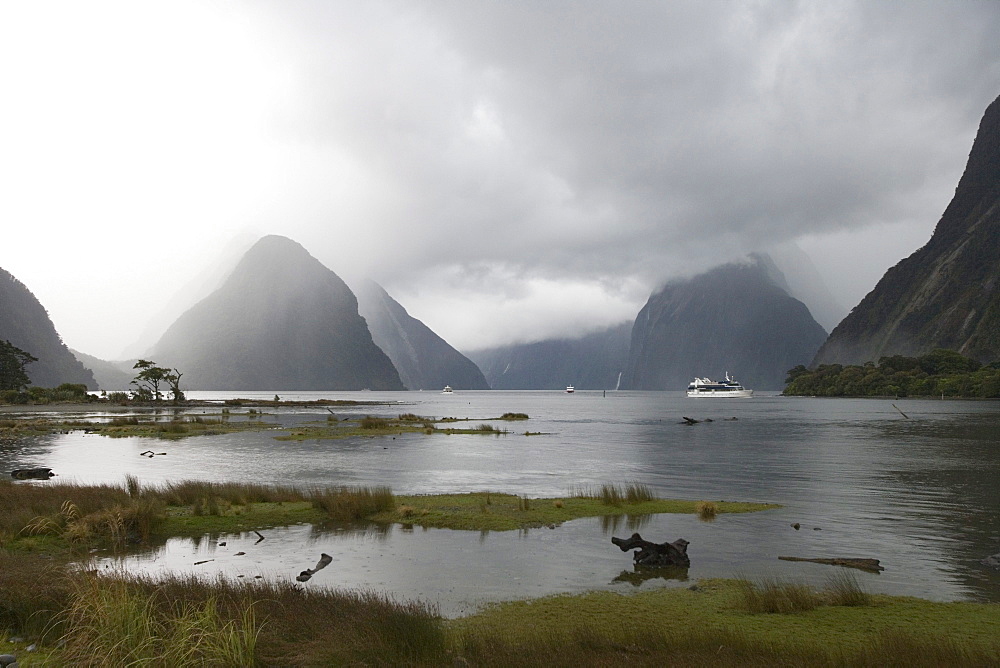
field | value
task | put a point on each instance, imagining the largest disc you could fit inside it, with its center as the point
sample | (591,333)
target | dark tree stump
(656,555)
(41,473)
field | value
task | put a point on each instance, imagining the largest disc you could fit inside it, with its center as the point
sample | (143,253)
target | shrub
(770,596)
(372,422)
(707,510)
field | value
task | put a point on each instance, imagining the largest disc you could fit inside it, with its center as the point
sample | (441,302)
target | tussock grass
(768,595)
(122,622)
(350,504)
(372,422)
(617,495)
(707,510)
(190,492)
(843,588)
(33,516)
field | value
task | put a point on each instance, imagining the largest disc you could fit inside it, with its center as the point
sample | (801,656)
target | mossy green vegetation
(938,373)
(491,511)
(374,426)
(70,517)
(149,426)
(184,422)
(65,393)
(711,624)
(77,617)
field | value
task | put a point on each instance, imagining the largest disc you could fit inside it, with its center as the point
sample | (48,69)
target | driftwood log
(870,565)
(41,473)
(655,555)
(324,561)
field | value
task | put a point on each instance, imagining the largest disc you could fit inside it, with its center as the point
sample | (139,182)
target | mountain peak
(946,294)
(737,317)
(280,321)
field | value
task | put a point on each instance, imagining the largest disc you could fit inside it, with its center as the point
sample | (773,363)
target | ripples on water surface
(922,493)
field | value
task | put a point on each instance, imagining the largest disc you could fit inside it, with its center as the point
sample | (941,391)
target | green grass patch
(184,521)
(482,511)
(710,626)
(133,425)
(80,618)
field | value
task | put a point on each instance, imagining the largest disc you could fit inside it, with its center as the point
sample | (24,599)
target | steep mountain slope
(281,321)
(116,375)
(424,360)
(592,362)
(947,294)
(26,324)
(734,318)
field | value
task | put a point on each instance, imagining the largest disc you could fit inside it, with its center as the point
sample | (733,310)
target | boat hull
(720,394)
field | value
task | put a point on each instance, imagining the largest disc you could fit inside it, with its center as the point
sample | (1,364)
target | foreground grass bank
(85,619)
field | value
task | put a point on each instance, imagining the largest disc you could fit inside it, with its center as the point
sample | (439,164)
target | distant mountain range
(423,359)
(946,294)
(26,324)
(592,362)
(736,317)
(280,321)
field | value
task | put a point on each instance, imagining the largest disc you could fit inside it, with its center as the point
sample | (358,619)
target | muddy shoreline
(109,407)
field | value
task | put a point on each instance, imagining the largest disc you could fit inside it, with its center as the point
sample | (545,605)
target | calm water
(922,493)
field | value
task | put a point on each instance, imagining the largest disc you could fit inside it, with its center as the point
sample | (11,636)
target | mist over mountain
(737,317)
(805,284)
(947,293)
(280,321)
(26,324)
(592,362)
(110,375)
(423,359)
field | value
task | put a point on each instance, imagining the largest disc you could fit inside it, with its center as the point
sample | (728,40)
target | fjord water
(920,492)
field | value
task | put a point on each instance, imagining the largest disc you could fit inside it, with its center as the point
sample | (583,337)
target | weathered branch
(870,565)
(655,554)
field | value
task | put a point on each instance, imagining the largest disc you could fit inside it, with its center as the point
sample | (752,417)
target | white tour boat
(447,390)
(704,387)
(570,389)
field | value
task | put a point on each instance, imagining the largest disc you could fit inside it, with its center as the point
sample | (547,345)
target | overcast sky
(506,170)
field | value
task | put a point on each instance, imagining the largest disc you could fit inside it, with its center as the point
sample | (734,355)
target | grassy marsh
(78,619)
(482,511)
(82,619)
(374,426)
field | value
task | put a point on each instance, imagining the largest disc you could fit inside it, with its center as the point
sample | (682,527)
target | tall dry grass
(125,622)
(350,504)
(617,495)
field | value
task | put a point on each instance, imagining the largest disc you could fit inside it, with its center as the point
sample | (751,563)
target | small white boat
(447,390)
(570,389)
(728,388)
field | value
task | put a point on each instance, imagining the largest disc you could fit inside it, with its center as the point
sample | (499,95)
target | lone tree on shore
(12,363)
(151,377)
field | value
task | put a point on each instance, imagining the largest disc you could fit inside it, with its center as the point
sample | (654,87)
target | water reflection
(918,493)
(642,574)
(612,523)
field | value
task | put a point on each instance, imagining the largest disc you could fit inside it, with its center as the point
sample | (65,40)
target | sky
(508,171)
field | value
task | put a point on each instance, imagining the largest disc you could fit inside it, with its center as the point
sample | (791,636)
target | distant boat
(728,388)
(570,389)
(447,390)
